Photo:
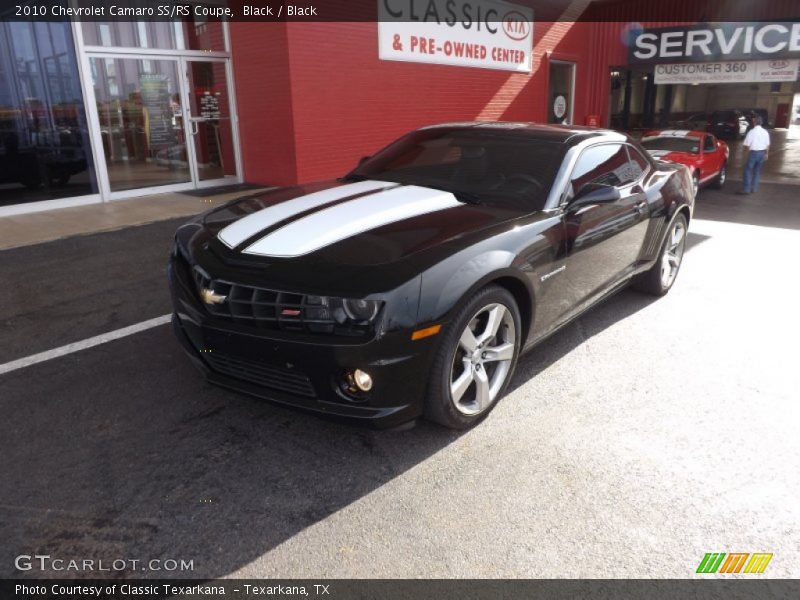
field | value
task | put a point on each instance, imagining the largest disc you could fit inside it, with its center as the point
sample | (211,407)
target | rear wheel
(659,278)
(475,360)
(719,180)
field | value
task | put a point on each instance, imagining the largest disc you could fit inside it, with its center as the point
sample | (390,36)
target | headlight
(342,310)
(360,310)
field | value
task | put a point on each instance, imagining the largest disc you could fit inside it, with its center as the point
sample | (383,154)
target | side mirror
(363,159)
(595,193)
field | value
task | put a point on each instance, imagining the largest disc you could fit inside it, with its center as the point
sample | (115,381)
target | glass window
(163,35)
(477,166)
(672,143)
(561,93)
(44,139)
(639,163)
(211,127)
(710,144)
(141,122)
(607,164)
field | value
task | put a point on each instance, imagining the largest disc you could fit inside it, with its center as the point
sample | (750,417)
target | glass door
(140,111)
(562,92)
(212,144)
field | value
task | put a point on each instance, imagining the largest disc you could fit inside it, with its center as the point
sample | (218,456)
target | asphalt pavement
(642,436)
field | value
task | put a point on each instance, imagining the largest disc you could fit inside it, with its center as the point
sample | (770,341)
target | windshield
(476,166)
(672,144)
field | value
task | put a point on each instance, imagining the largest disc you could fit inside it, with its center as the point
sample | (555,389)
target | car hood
(340,229)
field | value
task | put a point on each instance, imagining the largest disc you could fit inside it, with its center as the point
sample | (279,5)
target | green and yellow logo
(734,562)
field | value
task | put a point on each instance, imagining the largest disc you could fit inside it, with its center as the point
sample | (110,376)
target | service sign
(746,71)
(487,34)
(714,42)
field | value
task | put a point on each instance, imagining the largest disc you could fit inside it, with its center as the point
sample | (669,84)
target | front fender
(468,276)
(448,284)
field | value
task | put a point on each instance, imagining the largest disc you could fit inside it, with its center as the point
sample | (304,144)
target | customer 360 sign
(488,34)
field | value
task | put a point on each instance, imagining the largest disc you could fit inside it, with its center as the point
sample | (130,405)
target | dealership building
(97,111)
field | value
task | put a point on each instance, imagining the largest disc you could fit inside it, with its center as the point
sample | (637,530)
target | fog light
(362,380)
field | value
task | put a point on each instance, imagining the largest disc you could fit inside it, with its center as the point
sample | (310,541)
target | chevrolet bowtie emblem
(209,296)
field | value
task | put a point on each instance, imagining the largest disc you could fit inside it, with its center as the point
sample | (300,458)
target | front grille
(277,378)
(272,309)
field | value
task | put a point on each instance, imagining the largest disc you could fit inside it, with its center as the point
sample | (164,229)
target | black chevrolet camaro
(411,286)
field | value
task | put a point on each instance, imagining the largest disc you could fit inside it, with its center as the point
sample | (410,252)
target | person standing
(756,143)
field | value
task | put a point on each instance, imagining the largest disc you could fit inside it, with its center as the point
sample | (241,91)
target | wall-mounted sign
(746,71)
(559,106)
(488,34)
(715,42)
(159,113)
(209,106)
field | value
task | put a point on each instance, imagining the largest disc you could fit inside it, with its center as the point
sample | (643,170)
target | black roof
(565,134)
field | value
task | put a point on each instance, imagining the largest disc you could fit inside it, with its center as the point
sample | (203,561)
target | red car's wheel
(719,180)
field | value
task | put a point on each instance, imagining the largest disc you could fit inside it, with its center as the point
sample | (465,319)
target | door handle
(195,128)
(641,206)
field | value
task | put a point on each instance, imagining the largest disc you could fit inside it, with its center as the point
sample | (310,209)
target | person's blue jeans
(752,170)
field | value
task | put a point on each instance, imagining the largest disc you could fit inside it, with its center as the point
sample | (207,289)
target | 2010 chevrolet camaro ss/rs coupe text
(410,286)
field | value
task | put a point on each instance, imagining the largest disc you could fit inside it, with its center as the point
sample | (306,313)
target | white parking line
(21,363)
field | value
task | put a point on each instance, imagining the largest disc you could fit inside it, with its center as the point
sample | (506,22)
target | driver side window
(710,144)
(606,164)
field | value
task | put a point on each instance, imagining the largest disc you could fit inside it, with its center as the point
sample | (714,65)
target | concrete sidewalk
(46,226)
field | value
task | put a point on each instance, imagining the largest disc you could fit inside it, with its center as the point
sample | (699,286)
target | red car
(704,154)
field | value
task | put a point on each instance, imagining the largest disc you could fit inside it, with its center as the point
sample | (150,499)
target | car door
(604,240)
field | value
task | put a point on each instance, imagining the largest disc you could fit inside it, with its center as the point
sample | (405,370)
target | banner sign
(156,100)
(754,71)
(487,34)
(718,42)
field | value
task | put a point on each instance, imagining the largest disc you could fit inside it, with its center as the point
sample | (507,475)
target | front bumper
(302,374)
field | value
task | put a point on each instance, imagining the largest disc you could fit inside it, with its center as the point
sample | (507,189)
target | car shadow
(597,319)
(612,310)
(773,205)
(123,451)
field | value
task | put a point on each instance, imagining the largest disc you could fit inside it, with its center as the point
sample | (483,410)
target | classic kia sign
(488,34)
(715,42)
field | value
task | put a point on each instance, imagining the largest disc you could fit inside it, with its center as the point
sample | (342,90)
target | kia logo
(778,64)
(515,26)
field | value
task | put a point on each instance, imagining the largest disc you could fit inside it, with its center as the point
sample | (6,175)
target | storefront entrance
(160,104)
(99,111)
(163,122)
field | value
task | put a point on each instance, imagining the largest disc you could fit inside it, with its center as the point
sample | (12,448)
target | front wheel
(475,360)
(719,180)
(695,183)
(659,278)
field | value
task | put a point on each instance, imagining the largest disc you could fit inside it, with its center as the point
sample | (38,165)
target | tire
(696,183)
(721,178)
(464,387)
(657,281)
(59,179)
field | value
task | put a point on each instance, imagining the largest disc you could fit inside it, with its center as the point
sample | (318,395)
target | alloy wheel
(723,173)
(673,253)
(482,359)
(695,183)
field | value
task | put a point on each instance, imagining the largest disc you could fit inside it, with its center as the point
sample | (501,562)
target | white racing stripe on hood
(238,231)
(345,220)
